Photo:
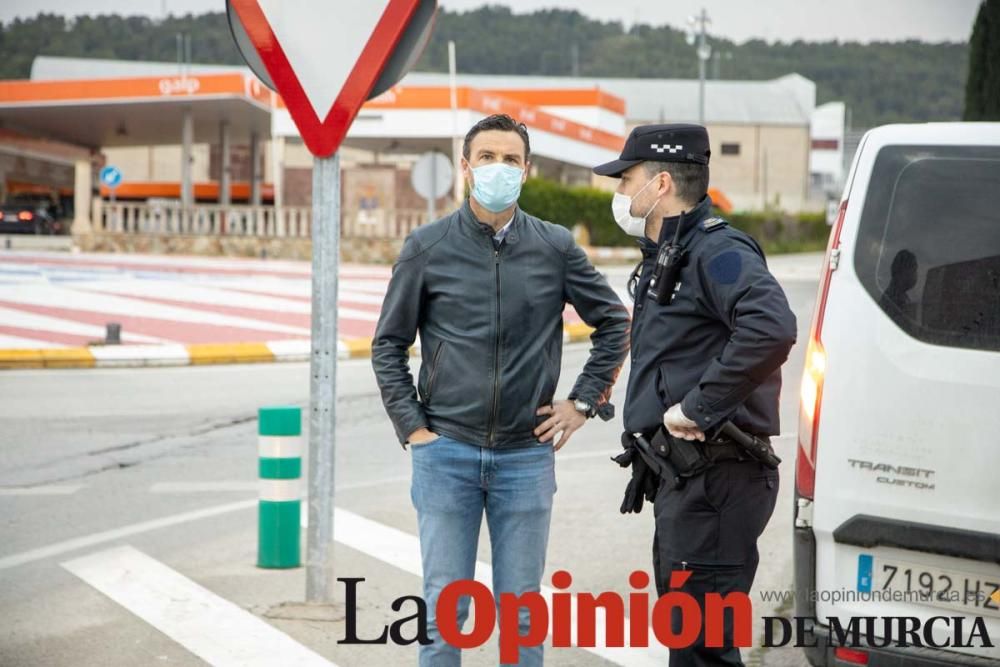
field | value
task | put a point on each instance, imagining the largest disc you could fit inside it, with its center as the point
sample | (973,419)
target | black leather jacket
(491,329)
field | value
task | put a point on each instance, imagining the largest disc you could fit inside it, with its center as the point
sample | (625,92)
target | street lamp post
(697,34)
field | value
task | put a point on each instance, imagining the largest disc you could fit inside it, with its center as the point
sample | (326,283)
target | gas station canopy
(140,111)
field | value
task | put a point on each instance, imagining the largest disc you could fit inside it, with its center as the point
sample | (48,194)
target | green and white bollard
(280,451)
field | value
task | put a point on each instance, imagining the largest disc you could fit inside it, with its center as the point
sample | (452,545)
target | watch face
(582,406)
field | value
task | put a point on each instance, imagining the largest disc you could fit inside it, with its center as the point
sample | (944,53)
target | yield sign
(324,57)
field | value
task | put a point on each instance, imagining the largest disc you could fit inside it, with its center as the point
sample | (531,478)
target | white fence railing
(249,221)
(201,220)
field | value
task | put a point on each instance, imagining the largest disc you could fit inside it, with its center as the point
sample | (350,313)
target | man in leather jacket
(486,287)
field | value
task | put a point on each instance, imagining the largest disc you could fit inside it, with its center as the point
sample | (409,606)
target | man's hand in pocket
(421,436)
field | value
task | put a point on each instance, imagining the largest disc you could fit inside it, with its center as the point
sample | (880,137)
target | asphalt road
(165,460)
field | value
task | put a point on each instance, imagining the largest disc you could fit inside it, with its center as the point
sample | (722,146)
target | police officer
(711,328)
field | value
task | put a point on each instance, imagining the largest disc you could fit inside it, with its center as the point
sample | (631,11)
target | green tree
(982,88)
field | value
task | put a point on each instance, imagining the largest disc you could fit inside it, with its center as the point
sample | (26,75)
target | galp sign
(179,85)
(324,57)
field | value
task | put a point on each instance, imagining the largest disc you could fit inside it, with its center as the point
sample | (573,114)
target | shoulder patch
(725,268)
(713,224)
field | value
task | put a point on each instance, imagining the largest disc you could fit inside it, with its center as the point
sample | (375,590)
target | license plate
(888,579)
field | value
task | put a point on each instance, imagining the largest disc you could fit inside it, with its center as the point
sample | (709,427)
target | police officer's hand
(563,419)
(680,426)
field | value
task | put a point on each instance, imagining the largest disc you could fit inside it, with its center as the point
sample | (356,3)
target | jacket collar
(692,220)
(477,229)
(647,247)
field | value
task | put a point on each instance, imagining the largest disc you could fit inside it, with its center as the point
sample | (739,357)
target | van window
(928,248)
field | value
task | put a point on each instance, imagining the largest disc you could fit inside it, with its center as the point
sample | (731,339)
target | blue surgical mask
(496,186)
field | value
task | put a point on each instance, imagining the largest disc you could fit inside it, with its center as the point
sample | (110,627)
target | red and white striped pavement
(53,300)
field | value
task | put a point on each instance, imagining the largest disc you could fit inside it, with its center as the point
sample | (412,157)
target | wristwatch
(584,408)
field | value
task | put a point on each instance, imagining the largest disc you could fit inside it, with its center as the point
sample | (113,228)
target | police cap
(672,142)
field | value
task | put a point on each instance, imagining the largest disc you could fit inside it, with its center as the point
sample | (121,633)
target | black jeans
(710,526)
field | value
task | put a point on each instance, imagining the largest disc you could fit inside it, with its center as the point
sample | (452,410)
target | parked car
(31,214)
(897,498)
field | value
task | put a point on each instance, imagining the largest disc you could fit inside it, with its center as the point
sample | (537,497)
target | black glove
(644,481)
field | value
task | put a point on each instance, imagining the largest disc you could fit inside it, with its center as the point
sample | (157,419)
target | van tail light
(809,408)
(811,396)
(852,656)
(25,216)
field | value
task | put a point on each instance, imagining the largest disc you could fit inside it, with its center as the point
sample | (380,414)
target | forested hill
(880,82)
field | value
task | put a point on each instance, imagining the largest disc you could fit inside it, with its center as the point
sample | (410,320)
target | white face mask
(621,209)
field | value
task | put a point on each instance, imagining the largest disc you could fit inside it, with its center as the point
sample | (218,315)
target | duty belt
(711,451)
(717,451)
(724,448)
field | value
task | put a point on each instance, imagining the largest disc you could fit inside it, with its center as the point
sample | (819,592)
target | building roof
(788,100)
(59,68)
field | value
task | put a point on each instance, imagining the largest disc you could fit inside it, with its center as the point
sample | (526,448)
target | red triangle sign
(324,57)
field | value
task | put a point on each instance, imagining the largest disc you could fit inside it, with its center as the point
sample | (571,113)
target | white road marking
(50,490)
(355,314)
(384,543)
(202,487)
(32,555)
(26,320)
(58,296)
(241,485)
(19,342)
(93,539)
(216,630)
(193,293)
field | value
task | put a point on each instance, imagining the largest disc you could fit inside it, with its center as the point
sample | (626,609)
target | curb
(134,356)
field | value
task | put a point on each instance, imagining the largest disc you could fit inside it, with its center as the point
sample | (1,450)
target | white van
(897,503)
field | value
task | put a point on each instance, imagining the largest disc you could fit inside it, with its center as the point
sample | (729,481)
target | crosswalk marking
(66,300)
(216,630)
(46,490)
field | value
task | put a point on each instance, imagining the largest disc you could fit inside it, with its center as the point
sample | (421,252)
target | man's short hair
(499,121)
(690,179)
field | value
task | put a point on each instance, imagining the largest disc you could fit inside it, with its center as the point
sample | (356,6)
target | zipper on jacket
(433,373)
(496,355)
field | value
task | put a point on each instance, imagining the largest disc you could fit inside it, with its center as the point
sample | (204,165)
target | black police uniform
(716,348)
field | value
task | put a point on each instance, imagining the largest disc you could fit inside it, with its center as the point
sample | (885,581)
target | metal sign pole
(430,200)
(456,143)
(402,30)
(323,373)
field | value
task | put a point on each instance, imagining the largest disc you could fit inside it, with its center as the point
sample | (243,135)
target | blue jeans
(453,484)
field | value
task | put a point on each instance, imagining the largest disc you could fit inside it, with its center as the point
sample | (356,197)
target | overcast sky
(772,20)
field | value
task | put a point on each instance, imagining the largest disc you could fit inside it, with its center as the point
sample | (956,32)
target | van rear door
(907,488)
